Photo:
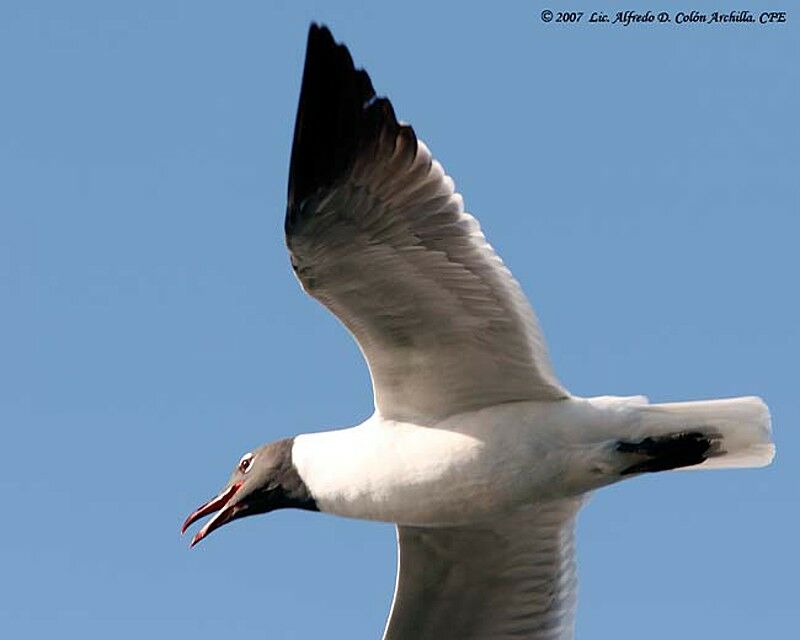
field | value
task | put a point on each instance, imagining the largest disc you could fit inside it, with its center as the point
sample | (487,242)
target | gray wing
(377,234)
(510,579)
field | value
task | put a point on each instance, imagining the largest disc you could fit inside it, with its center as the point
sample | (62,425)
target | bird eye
(244,463)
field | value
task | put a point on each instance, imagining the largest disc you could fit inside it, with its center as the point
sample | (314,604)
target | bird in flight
(475,449)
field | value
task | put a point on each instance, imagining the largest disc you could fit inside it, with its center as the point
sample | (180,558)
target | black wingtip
(337,116)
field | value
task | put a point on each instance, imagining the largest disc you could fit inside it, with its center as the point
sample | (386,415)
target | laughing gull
(475,450)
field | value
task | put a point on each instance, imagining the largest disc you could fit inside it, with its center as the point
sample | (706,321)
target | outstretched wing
(514,578)
(377,234)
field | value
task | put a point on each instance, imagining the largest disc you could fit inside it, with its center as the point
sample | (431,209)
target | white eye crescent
(244,463)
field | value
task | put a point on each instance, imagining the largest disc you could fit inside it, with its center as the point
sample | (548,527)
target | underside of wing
(513,578)
(377,233)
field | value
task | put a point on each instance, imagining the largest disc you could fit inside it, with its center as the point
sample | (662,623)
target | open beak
(217,504)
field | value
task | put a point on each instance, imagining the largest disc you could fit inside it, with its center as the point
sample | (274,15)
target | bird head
(264,480)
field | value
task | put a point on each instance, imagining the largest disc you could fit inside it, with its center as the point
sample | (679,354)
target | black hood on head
(276,483)
(268,481)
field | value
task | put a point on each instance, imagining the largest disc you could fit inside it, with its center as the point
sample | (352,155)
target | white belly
(467,467)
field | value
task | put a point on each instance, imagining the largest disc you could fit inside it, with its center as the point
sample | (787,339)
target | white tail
(743,424)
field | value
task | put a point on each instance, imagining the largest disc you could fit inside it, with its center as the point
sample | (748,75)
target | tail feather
(740,427)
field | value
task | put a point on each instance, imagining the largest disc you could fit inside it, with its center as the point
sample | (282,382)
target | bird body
(463,468)
(475,450)
(476,465)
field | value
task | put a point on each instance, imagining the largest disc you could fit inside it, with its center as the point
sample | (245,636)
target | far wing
(377,234)
(514,578)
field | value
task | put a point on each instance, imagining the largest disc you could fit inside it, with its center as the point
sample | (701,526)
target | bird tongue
(211,506)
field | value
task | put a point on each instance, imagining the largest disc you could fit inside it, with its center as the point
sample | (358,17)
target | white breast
(468,466)
(395,472)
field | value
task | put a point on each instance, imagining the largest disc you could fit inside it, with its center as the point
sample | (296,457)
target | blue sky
(641,182)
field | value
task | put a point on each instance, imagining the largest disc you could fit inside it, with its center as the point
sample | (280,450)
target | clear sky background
(641,182)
